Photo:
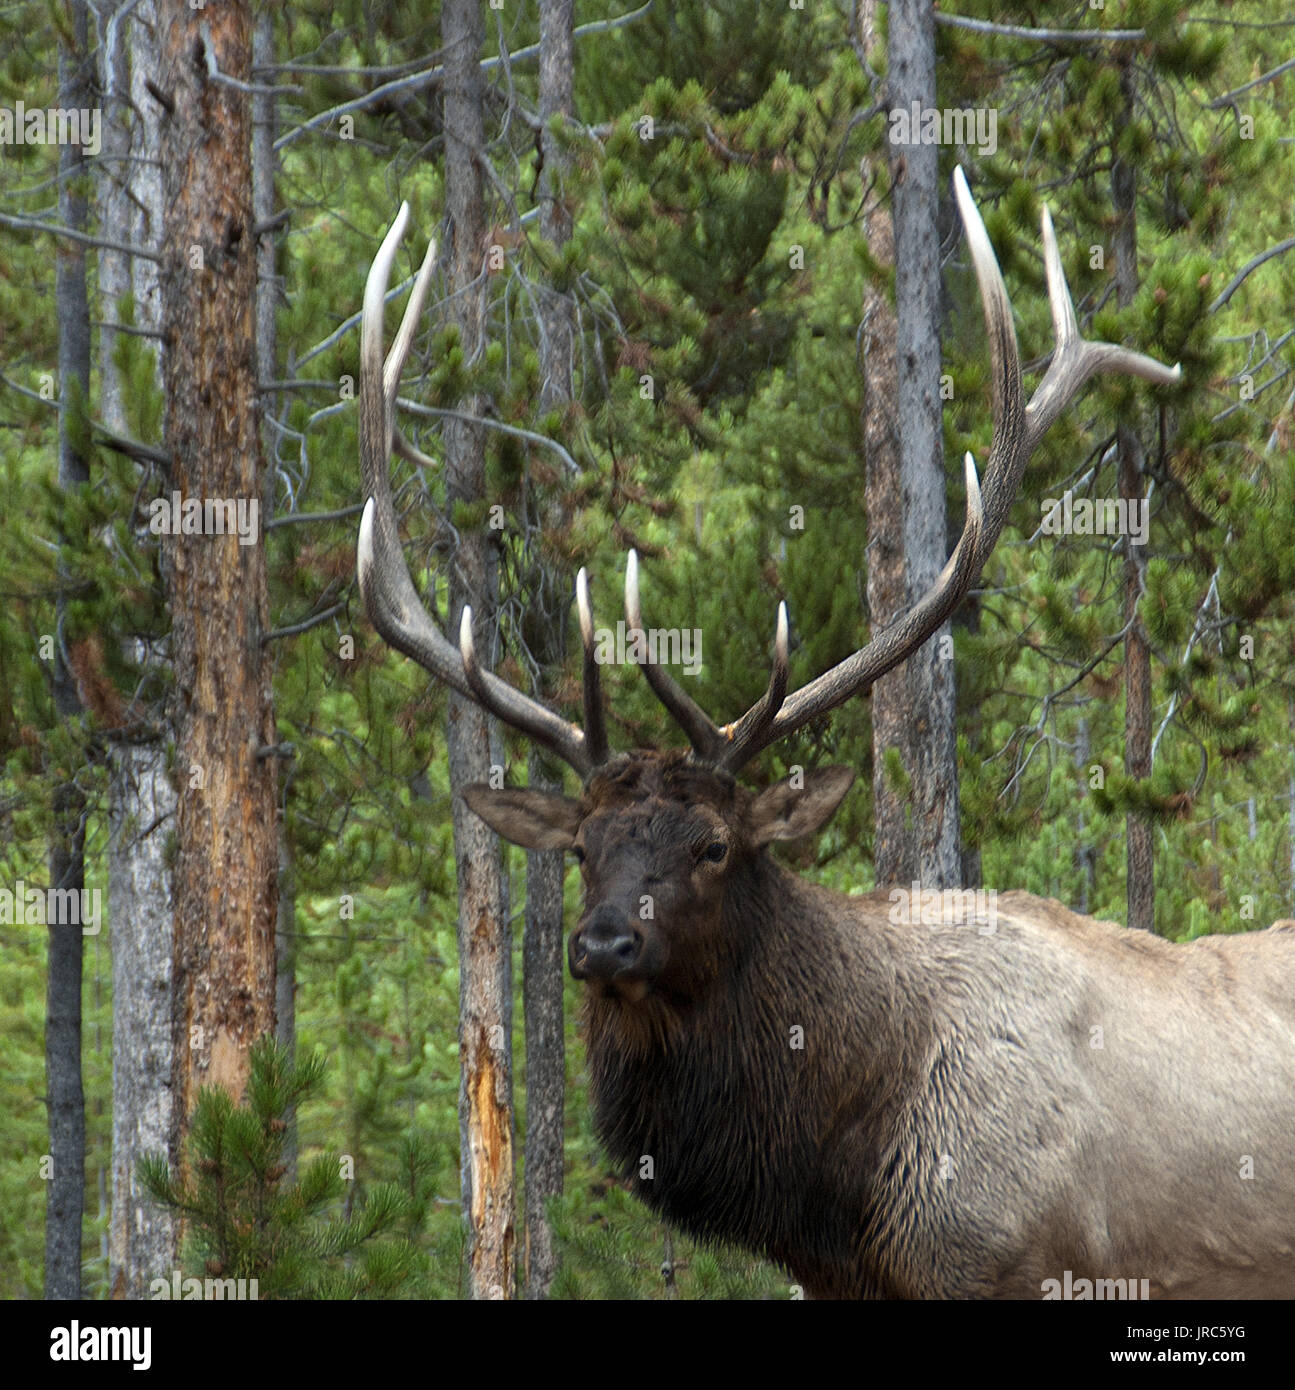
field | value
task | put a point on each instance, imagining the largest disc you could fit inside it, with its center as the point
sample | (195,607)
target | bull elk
(888,1109)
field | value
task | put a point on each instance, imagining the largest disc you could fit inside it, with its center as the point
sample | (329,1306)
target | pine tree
(1147,197)
(276,1238)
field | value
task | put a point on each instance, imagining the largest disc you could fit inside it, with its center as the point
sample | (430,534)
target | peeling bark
(485,957)
(226,873)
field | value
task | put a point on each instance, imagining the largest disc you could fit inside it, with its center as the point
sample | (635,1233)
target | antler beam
(1017,431)
(389,595)
(398,613)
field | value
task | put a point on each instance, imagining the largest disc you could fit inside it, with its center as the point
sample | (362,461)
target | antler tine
(400,344)
(756,723)
(705,737)
(389,595)
(595,720)
(857,672)
(468,655)
(1017,430)
(492,694)
(1065,327)
(1075,359)
(1007,457)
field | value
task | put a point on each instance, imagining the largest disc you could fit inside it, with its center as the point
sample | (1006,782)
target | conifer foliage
(247,1221)
(654,339)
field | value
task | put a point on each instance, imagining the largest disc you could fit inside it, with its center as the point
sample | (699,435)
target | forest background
(661,320)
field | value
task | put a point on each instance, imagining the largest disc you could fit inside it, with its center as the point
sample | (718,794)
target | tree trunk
(485,966)
(1141,885)
(557,73)
(65,1096)
(545,1048)
(226,873)
(285,988)
(930,753)
(883,504)
(1085,853)
(970,724)
(542,942)
(915,772)
(265,168)
(142,1238)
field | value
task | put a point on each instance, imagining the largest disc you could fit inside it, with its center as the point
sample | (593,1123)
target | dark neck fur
(712,1090)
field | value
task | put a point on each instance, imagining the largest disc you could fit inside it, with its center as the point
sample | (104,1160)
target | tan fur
(899,1109)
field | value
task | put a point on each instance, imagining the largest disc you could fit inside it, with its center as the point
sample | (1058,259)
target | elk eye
(716,852)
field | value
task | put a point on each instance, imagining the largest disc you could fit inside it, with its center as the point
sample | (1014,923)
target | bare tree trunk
(485,966)
(545,1048)
(142,1238)
(557,74)
(930,737)
(1141,886)
(969,724)
(893,861)
(915,770)
(1085,854)
(226,873)
(65,1097)
(542,942)
(285,987)
(264,173)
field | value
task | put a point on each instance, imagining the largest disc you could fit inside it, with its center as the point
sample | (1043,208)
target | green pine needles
(247,1221)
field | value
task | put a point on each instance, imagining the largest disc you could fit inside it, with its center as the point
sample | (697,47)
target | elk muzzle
(606,947)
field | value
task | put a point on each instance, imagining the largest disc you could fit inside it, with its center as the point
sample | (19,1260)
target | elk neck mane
(726,1100)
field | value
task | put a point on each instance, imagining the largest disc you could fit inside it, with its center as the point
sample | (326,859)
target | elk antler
(1016,433)
(398,614)
(389,595)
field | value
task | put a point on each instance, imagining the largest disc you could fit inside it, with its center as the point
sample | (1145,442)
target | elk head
(664,839)
(659,839)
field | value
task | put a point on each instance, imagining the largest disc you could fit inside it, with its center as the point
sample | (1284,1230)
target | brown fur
(950,1127)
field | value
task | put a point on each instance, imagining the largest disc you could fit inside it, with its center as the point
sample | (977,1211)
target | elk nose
(606,946)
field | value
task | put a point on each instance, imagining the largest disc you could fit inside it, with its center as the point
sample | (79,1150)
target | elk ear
(785,812)
(532,819)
